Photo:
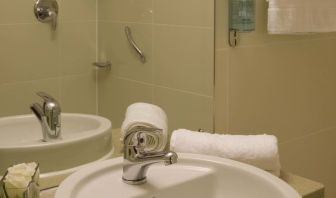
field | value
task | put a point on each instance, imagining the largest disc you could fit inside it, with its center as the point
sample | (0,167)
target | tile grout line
(214,112)
(214,72)
(37,23)
(319,132)
(158,24)
(227,91)
(96,72)
(59,62)
(152,52)
(164,87)
(266,44)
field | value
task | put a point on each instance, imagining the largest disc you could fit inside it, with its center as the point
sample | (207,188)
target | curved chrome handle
(134,45)
(46,97)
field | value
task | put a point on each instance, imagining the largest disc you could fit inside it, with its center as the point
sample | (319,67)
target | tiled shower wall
(177,38)
(34,58)
(178,74)
(282,85)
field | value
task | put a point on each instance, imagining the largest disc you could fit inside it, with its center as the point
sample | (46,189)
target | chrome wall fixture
(102,65)
(107,64)
(233,37)
(130,39)
(46,11)
(241,19)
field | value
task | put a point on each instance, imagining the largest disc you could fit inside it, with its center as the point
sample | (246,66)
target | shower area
(176,71)
(174,64)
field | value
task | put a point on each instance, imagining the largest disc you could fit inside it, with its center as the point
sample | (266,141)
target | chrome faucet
(49,115)
(138,157)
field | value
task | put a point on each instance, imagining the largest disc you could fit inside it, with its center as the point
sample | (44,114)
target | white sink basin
(85,138)
(194,176)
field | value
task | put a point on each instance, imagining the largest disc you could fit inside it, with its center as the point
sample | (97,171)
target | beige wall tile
(282,89)
(183,58)
(77,47)
(27,53)
(113,46)
(77,10)
(282,85)
(185,110)
(116,94)
(314,157)
(16,98)
(221,87)
(34,58)
(184,12)
(178,56)
(50,86)
(17,11)
(125,11)
(78,94)
(221,24)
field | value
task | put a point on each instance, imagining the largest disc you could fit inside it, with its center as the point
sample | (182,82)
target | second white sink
(85,138)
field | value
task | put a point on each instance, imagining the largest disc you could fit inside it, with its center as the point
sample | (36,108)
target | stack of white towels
(257,150)
(301,16)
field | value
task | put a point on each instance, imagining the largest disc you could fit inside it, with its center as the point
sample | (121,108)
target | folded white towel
(257,150)
(301,16)
(145,115)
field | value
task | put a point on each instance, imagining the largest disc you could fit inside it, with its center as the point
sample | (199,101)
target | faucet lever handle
(46,97)
(146,142)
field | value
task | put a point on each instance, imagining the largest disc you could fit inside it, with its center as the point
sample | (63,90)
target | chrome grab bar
(134,45)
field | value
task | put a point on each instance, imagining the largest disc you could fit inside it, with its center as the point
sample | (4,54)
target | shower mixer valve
(46,11)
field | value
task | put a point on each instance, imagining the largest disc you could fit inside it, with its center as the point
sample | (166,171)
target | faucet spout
(134,172)
(38,111)
(137,160)
(170,158)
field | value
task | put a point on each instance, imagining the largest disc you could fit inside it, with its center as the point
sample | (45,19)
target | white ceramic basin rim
(24,131)
(85,138)
(196,176)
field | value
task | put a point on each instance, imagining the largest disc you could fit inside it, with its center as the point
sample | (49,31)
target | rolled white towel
(257,150)
(145,115)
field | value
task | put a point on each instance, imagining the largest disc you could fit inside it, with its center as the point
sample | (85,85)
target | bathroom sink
(85,139)
(196,176)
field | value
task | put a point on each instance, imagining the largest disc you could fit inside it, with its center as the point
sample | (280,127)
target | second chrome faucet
(49,116)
